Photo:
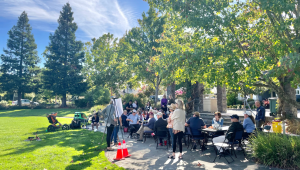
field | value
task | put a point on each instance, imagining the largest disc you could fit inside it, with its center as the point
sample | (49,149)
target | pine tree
(19,59)
(64,58)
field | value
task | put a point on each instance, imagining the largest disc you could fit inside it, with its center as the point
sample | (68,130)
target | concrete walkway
(146,156)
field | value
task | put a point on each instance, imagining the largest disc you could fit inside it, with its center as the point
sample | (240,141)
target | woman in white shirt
(178,118)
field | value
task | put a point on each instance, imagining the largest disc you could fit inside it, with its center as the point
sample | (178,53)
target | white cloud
(93,17)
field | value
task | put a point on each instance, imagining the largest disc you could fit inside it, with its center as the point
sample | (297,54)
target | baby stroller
(52,119)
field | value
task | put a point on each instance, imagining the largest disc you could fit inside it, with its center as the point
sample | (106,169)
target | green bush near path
(276,150)
(70,149)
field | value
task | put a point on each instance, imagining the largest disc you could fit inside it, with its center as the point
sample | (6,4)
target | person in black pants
(110,130)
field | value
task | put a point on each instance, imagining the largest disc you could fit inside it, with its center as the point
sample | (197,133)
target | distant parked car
(24,102)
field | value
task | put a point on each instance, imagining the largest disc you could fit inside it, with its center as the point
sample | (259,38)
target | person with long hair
(148,106)
(172,107)
(178,119)
(248,124)
(218,119)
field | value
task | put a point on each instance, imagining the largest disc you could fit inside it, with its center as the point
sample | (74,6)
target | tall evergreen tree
(19,59)
(64,58)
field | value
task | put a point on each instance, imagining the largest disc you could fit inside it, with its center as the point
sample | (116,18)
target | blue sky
(93,17)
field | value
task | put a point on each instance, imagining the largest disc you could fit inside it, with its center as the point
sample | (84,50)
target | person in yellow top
(178,118)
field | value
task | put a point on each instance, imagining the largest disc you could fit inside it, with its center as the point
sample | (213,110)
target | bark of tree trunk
(201,87)
(64,100)
(189,106)
(196,96)
(288,108)
(19,98)
(171,90)
(156,90)
(221,98)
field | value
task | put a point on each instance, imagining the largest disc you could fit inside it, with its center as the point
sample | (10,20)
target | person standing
(172,107)
(111,118)
(260,115)
(178,118)
(135,105)
(164,103)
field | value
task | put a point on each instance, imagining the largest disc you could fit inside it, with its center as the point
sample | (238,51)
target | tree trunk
(64,100)
(201,92)
(189,106)
(196,96)
(171,90)
(19,98)
(288,109)
(221,99)
(156,90)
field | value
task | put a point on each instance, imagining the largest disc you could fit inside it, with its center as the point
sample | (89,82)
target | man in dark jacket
(124,117)
(260,115)
(146,127)
(160,124)
(236,126)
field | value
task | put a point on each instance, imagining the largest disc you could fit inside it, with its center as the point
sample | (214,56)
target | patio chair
(194,138)
(237,141)
(163,133)
(147,134)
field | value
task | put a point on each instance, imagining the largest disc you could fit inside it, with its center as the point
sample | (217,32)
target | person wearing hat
(133,122)
(196,123)
(146,127)
(230,134)
(248,124)
(160,123)
(172,108)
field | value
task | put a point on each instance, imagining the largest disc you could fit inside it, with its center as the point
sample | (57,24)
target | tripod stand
(245,102)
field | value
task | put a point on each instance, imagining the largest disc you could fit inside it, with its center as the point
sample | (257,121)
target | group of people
(173,119)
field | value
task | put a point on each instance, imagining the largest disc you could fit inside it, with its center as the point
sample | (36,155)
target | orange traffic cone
(119,153)
(125,151)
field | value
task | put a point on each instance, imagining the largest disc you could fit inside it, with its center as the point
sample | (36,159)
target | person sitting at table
(218,119)
(248,124)
(162,124)
(146,127)
(124,117)
(146,115)
(95,121)
(230,134)
(133,122)
(195,123)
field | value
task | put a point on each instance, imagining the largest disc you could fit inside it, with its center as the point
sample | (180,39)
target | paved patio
(146,156)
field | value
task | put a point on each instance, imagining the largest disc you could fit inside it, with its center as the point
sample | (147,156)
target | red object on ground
(119,153)
(125,129)
(165,142)
(125,151)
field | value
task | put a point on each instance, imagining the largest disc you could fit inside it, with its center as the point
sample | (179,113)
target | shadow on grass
(40,112)
(80,140)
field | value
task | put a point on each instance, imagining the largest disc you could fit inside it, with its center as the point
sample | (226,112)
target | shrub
(2,107)
(3,103)
(231,98)
(276,150)
(81,103)
(96,108)
(239,102)
(40,107)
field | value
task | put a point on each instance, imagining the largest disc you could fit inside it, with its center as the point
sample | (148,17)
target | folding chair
(222,146)
(163,133)
(237,140)
(195,138)
(146,134)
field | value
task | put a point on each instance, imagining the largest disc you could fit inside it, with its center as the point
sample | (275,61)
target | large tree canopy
(64,58)
(254,42)
(19,59)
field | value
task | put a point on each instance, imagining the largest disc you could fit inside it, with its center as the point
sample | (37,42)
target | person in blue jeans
(115,134)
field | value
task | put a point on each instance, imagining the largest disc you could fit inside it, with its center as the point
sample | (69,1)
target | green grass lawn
(71,149)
